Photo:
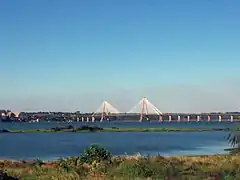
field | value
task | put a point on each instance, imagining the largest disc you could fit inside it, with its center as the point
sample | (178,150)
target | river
(50,146)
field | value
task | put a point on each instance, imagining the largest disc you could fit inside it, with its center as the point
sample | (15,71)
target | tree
(234,139)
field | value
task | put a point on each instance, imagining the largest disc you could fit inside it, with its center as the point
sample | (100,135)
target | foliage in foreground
(5,176)
(97,163)
(234,140)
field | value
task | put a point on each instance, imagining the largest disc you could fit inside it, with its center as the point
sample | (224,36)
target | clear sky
(70,55)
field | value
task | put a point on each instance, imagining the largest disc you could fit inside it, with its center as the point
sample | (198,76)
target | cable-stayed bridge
(145,110)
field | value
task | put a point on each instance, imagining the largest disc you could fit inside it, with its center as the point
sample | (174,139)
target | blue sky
(70,55)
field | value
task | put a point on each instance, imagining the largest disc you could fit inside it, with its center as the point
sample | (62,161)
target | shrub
(56,129)
(89,128)
(142,168)
(37,162)
(70,127)
(95,154)
(5,176)
(4,131)
(68,163)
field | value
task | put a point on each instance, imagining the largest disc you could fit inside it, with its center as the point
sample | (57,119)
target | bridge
(145,110)
(9,114)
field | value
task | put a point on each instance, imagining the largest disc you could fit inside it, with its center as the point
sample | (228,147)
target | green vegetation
(115,129)
(97,163)
(234,140)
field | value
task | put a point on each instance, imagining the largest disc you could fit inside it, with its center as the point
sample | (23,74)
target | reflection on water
(54,145)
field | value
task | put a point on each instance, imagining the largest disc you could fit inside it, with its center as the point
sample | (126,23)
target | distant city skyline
(70,56)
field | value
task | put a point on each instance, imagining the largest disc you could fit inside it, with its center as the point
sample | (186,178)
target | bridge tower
(105,110)
(145,107)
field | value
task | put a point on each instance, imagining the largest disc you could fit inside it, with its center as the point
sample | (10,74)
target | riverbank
(129,167)
(115,129)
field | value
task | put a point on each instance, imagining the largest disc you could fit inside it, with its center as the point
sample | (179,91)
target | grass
(129,167)
(115,129)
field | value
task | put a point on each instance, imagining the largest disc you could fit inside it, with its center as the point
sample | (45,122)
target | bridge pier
(219,118)
(167,117)
(179,118)
(209,118)
(141,117)
(160,118)
(198,118)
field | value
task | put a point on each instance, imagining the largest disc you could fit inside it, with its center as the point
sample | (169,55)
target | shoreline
(24,161)
(125,121)
(115,129)
(223,150)
(2,160)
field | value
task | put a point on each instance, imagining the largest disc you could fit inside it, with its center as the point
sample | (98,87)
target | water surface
(49,146)
(121,124)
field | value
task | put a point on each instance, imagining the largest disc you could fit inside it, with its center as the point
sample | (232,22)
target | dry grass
(132,167)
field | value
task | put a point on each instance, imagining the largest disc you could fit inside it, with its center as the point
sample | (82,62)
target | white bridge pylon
(145,107)
(105,109)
